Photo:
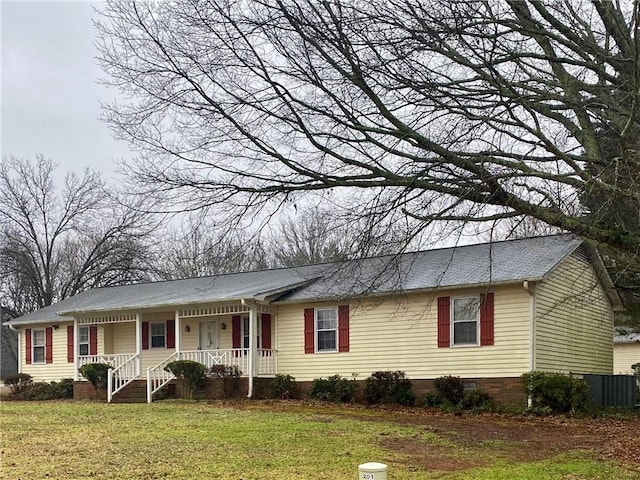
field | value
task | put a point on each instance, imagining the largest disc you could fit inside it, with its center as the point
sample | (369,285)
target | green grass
(180,440)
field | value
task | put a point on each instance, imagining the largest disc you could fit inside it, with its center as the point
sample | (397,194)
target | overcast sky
(50,98)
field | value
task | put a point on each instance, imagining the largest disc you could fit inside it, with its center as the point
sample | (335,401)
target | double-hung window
(326,323)
(38,345)
(245,333)
(83,341)
(158,334)
(465,313)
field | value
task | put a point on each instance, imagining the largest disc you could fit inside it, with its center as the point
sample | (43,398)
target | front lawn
(258,440)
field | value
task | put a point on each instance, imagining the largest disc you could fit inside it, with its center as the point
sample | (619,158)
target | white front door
(209,335)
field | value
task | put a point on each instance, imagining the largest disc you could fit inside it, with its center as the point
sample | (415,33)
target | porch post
(177,326)
(76,374)
(138,344)
(253,333)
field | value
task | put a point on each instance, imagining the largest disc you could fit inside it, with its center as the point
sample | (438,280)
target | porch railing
(115,360)
(121,376)
(158,377)
(265,359)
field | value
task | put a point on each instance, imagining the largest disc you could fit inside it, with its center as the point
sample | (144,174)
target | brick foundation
(506,392)
(85,391)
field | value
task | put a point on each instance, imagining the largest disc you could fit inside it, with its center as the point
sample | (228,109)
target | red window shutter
(343,328)
(93,340)
(266,330)
(171,333)
(486,319)
(70,346)
(309,330)
(444,322)
(145,335)
(48,345)
(236,340)
(27,346)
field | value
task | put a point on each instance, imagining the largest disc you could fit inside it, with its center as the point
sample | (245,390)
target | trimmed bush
(451,388)
(189,375)
(333,389)
(450,396)
(65,388)
(388,387)
(230,375)
(433,399)
(555,392)
(477,401)
(96,373)
(47,391)
(18,382)
(284,387)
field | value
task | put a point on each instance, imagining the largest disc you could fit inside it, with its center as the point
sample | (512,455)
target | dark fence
(613,390)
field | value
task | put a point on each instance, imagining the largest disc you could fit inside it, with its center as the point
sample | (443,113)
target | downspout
(530,287)
(252,344)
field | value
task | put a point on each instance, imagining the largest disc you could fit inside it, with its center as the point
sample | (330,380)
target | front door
(209,335)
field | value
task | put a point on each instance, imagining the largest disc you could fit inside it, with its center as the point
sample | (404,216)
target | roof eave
(415,291)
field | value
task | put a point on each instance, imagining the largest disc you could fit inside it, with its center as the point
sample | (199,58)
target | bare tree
(432,109)
(315,236)
(54,244)
(199,248)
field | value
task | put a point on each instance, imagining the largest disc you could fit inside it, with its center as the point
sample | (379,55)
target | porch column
(177,326)
(76,374)
(253,346)
(138,344)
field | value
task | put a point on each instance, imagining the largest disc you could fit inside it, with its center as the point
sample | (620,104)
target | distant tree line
(59,240)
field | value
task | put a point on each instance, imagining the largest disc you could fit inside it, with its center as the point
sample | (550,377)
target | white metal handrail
(121,376)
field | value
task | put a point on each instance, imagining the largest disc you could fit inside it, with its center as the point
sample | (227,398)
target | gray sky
(50,99)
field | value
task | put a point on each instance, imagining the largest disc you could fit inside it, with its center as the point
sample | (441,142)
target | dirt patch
(475,440)
(525,439)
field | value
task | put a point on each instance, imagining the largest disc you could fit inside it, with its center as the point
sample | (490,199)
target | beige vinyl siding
(625,355)
(47,372)
(574,320)
(153,356)
(400,333)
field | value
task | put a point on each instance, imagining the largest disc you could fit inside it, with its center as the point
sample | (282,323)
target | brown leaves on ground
(516,438)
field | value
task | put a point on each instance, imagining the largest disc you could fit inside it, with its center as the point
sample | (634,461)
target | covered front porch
(139,345)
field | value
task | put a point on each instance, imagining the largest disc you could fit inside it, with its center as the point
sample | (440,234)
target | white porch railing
(265,360)
(115,360)
(158,377)
(121,376)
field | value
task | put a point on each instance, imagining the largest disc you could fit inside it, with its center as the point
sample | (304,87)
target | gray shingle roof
(498,262)
(481,264)
(628,338)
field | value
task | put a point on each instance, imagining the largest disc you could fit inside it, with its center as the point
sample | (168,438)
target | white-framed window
(465,324)
(83,341)
(38,338)
(326,329)
(158,334)
(245,332)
